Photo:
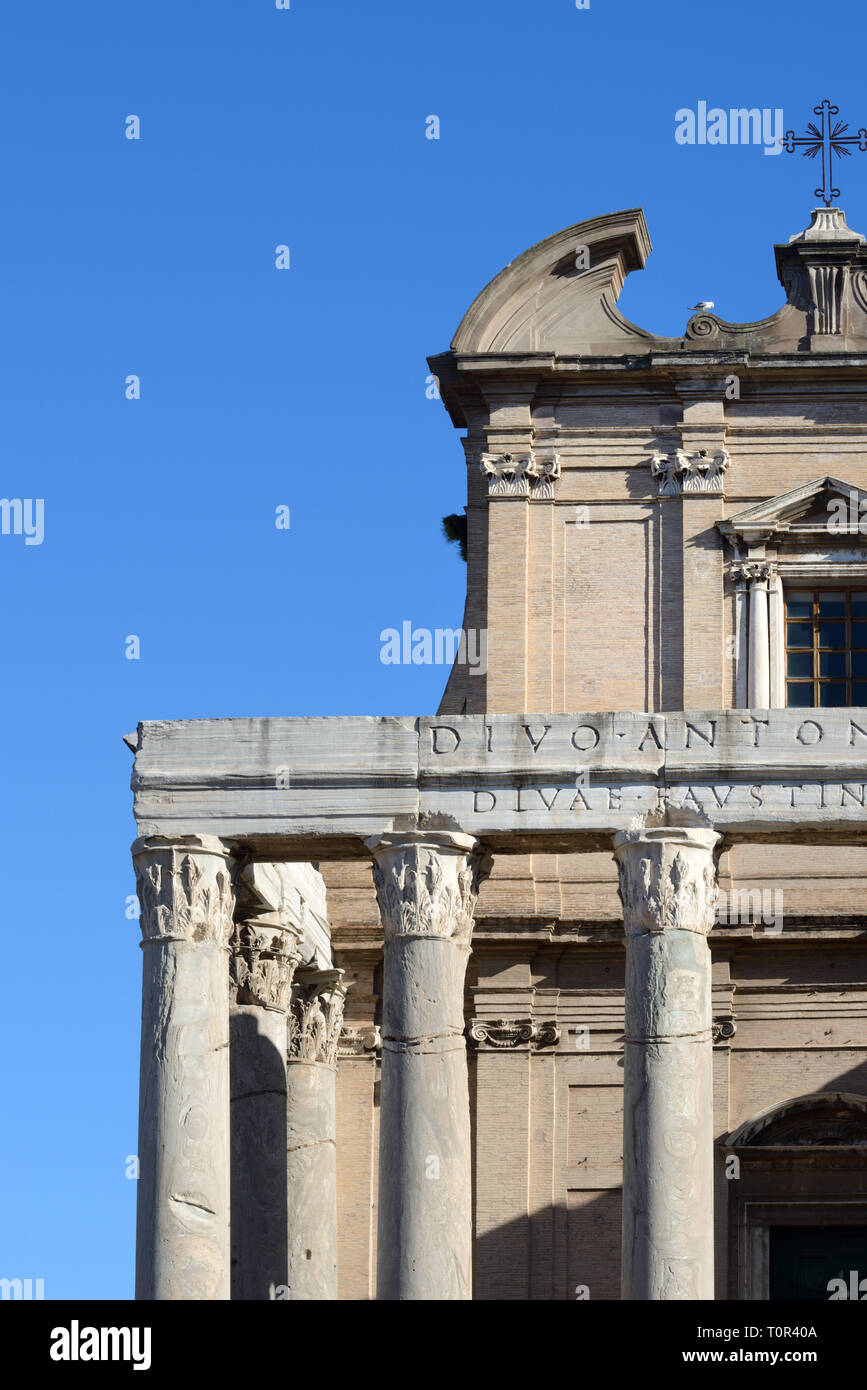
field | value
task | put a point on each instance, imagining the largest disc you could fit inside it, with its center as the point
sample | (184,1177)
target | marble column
(265,952)
(185,891)
(668,890)
(310,1140)
(426,885)
(741,635)
(759,680)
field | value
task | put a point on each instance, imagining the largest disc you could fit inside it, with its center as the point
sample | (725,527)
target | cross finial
(827,140)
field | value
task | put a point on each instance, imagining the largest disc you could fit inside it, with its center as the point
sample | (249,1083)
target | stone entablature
(547,782)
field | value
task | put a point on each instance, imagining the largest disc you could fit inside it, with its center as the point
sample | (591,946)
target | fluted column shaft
(185,891)
(426,885)
(668,890)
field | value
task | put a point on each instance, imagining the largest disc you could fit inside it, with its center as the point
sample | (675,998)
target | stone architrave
(315,1022)
(186,896)
(668,890)
(264,954)
(426,886)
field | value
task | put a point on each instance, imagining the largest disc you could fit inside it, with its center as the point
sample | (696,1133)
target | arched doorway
(797,1187)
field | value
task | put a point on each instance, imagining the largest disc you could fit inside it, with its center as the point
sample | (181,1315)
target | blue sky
(303,388)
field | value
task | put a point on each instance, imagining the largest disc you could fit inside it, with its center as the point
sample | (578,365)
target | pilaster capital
(679,472)
(316,1016)
(667,878)
(185,889)
(427,883)
(522,475)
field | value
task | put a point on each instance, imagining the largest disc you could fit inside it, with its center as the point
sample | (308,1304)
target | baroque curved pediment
(560,297)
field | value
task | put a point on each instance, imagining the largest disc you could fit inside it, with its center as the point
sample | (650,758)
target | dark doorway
(804,1260)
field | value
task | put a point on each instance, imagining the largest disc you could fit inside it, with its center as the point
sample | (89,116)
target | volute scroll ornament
(512,1032)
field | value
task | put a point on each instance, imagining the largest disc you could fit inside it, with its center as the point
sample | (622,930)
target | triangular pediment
(804,511)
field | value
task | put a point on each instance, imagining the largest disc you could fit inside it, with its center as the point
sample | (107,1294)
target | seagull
(702,306)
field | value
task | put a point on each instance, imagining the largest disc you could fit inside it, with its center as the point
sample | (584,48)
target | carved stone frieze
(512,1032)
(521,475)
(185,891)
(316,1016)
(680,472)
(427,885)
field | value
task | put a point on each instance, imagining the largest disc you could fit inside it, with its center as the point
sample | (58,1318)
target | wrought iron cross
(827,141)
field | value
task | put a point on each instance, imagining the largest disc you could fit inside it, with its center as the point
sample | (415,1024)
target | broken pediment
(560,296)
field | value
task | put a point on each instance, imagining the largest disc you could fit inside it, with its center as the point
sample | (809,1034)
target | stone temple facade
(560,992)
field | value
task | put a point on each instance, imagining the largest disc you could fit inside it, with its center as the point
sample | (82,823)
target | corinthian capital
(316,1016)
(265,940)
(185,889)
(667,879)
(263,961)
(427,883)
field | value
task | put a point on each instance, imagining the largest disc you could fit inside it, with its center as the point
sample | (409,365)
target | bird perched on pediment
(702,306)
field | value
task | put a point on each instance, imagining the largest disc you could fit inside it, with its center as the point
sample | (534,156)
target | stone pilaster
(185,891)
(668,890)
(264,954)
(315,1022)
(426,886)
